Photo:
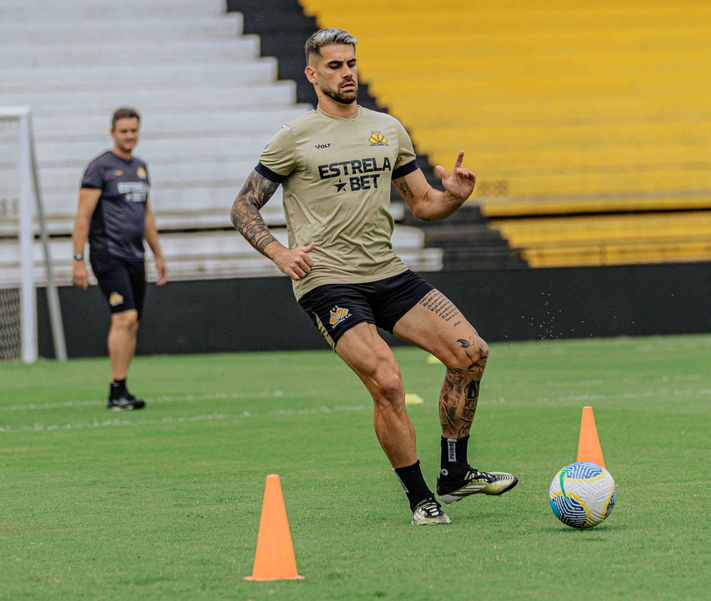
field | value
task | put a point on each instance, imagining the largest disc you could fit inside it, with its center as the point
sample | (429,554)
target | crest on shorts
(377,139)
(339,315)
(141,172)
(115,299)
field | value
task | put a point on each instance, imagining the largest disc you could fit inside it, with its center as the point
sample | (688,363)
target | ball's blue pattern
(569,511)
(611,504)
(578,492)
(583,469)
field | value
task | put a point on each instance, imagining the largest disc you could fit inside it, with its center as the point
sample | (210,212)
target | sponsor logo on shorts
(377,139)
(339,315)
(115,299)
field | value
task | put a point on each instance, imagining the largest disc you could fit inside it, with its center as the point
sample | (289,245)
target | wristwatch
(78,256)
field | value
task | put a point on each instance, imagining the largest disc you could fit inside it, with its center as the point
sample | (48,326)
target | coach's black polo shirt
(118,222)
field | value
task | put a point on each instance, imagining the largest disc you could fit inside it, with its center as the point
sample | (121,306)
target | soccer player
(336,164)
(114,212)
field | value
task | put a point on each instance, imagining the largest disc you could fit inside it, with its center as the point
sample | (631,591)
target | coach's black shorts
(336,308)
(122,282)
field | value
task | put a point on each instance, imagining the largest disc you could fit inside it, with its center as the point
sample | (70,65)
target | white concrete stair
(78,11)
(236,96)
(209,105)
(162,78)
(119,31)
(191,52)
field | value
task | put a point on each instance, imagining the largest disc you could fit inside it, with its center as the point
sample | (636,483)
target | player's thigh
(114,280)
(436,325)
(370,357)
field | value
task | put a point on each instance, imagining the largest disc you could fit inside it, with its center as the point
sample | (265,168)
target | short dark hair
(326,37)
(124,112)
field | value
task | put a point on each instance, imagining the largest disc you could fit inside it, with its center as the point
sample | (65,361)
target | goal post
(21,166)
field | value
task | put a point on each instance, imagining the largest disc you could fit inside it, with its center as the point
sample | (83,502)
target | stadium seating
(209,103)
(565,108)
(203,255)
(466,238)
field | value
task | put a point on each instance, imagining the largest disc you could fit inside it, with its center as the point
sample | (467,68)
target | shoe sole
(432,524)
(131,408)
(449,499)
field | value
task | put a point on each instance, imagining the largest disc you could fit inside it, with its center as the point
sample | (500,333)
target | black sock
(118,387)
(454,458)
(413,484)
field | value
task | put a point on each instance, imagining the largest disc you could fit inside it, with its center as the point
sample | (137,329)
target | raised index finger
(460,159)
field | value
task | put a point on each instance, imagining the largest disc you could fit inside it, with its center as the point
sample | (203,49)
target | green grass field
(165,503)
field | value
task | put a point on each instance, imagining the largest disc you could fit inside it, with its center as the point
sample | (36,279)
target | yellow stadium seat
(562,108)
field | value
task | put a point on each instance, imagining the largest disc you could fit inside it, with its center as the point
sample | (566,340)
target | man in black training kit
(336,164)
(115,214)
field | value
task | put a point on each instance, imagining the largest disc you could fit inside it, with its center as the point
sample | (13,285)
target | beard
(340,96)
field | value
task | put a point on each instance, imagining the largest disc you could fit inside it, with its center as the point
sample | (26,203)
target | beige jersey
(336,176)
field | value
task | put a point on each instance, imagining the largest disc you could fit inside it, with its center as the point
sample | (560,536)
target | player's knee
(388,389)
(125,320)
(468,353)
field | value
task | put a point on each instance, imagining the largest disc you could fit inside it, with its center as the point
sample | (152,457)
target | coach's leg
(122,342)
(369,356)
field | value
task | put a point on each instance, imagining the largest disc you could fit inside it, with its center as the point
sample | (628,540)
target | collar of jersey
(353,118)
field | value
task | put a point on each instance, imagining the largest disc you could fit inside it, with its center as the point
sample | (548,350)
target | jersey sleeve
(93,176)
(279,157)
(406,158)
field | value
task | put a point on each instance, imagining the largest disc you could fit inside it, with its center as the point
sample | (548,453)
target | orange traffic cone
(589,448)
(274,559)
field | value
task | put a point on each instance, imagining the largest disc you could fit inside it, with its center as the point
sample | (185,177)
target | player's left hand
(162,270)
(460,183)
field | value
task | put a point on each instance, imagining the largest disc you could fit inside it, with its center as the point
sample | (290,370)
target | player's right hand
(80,275)
(295,262)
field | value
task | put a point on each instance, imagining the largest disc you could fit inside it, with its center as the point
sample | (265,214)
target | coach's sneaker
(126,402)
(473,482)
(429,513)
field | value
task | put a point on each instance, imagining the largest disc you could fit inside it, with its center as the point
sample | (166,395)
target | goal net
(22,256)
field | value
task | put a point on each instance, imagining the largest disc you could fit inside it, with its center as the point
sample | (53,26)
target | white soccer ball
(582,494)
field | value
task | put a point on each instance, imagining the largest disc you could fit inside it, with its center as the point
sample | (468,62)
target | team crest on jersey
(141,172)
(115,299)
(339,315)
(377,139)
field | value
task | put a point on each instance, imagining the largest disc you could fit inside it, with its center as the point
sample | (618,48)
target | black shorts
(336,308)
(122,282)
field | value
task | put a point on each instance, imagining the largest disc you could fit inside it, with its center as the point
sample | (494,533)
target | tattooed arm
(429,204)
(255,193)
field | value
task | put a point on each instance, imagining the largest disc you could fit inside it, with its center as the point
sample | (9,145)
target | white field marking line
(169,399)
(107,423)
(602,397)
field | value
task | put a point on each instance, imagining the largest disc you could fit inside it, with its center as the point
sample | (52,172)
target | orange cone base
(272,579)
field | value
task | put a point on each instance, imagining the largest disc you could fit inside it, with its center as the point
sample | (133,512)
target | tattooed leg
(460,391)
(436,325)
